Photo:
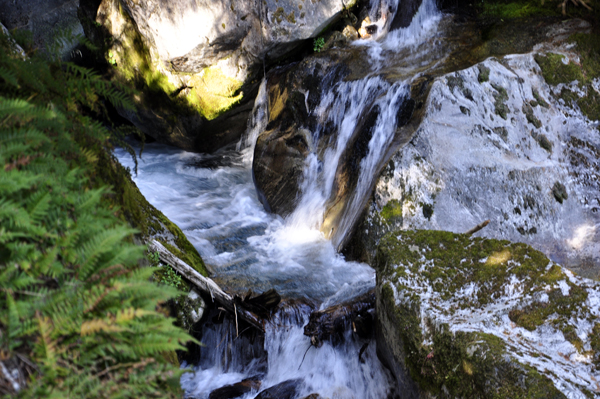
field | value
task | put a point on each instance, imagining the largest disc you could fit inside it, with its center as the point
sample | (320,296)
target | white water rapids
(213,200)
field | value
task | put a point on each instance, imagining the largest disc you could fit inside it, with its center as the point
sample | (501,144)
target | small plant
(318,44)
(166,275)
(154,258)
(112,58)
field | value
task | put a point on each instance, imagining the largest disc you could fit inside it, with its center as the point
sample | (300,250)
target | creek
(212,198)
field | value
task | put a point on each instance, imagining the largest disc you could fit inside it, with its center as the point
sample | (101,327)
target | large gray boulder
(480,318)
(499,143)
(198,63)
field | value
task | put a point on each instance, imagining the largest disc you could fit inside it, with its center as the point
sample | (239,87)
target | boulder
(198,64)
(502,141)
(282,148)
(474,317)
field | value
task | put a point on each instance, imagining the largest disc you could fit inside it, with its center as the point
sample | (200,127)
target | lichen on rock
(475,166)
(486,318)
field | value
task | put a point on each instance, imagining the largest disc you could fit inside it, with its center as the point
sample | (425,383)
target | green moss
(595,344)
(539,100)
(291,18)
(543,141)
(555,71)
(392,211)
(559,191)
(531,118)
(131,206)
(210,95)
(516,9)
(484,73)
(464,364)
(501,96)
(279,14)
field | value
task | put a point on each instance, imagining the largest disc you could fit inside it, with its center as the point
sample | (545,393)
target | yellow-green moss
(214,93)
(392,211)
(555,71)
(501,96)
(209,93)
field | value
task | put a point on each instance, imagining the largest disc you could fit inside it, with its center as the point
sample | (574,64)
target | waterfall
(212,198)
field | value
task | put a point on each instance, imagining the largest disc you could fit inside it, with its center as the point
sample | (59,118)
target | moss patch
(531,118)
(559,191)
(555,72)
(517,9)
(392,211)
(484,73)
(501,96)
(213,93)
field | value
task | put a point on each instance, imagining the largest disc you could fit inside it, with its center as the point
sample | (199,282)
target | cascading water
(213,200)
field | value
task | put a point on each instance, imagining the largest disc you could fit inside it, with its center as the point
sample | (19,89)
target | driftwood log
(331,324)
(208,286)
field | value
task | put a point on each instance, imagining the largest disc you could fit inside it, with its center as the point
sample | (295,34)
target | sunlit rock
(200,62)
(499,143)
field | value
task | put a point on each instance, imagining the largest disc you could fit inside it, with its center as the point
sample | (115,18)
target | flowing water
(213,200)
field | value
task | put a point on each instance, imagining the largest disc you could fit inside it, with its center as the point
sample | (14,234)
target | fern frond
(9,77)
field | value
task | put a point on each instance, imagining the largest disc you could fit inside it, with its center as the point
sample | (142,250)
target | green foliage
(165,274)
(318,44)
(78,315)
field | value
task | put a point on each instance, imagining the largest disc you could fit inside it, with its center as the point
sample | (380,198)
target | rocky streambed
(389,149)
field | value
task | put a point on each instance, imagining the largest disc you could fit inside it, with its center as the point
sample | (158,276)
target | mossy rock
(130,205)
(557,69)
(472,317)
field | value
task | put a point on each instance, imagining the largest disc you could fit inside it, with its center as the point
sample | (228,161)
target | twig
(303,357)
(478,227)
(237,334)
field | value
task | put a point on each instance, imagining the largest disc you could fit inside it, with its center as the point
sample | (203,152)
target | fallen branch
(206,285)
(478,227)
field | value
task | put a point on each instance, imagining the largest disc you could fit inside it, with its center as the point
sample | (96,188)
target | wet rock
(281,149)
(330,324)
(285,390)
(350,33)
(500,161)
(481,317)
(236,390)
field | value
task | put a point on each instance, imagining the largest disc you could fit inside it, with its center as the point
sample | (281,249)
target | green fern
(73,300)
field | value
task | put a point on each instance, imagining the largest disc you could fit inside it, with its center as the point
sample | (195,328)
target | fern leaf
(98,325)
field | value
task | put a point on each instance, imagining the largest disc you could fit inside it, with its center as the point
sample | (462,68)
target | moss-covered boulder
(482,318)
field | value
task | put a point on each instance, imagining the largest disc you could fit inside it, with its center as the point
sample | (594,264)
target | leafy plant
(318,44)
(78,316)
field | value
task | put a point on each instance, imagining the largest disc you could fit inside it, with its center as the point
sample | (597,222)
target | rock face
(44,18)
(200,60)
(499,143)
(282,148)
(474,317)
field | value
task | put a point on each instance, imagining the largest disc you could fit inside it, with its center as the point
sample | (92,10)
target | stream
(212,198)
